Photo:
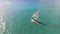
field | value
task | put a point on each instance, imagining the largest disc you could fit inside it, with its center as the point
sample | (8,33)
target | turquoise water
(18,18)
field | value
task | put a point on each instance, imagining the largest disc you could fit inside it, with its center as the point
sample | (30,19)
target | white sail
(35,16)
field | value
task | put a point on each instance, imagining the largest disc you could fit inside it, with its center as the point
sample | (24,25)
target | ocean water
(17,18)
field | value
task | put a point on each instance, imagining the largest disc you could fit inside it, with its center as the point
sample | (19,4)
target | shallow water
(17,18)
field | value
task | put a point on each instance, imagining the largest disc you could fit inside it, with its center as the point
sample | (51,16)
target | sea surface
(16,18)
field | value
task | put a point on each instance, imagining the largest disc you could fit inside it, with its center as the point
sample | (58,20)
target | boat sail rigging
(35,16)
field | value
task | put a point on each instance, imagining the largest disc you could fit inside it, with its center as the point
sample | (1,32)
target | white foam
(2,25)
(1,18)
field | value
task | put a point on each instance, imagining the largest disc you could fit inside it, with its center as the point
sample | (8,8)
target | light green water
(18,19)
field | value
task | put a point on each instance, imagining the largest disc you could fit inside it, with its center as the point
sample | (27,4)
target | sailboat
(35,17)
